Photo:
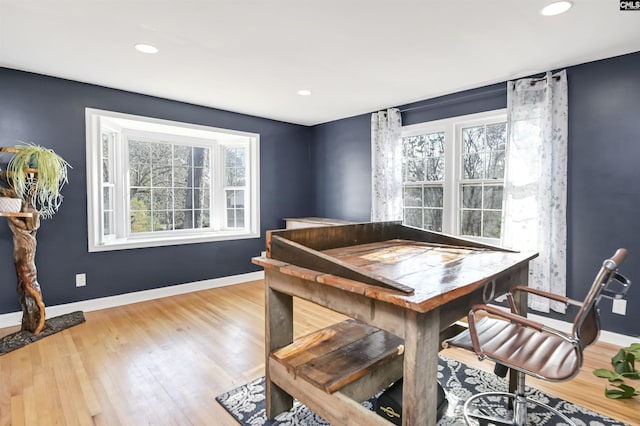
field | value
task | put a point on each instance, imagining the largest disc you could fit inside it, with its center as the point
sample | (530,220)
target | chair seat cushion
(536,353)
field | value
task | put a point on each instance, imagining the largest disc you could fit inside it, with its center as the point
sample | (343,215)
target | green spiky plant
(623,368)
(41,189)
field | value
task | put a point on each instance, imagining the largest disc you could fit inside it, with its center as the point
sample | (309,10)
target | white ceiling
(356,56)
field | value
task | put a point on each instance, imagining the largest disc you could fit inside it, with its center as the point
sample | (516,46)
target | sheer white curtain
(536,180)
(386,165)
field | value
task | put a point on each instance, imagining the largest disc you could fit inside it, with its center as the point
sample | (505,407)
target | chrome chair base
(517,401)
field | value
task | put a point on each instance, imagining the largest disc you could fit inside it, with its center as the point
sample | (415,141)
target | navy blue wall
(50,112)
(604,169)
(320,171)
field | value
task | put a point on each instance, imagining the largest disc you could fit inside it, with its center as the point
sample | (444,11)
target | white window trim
(187,130)
(453,161)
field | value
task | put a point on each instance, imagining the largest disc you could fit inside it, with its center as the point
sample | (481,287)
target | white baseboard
(14,318)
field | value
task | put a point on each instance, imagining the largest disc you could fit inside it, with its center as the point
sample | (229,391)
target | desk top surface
(436,272)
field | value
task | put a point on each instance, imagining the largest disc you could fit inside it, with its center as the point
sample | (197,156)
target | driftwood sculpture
(24,253)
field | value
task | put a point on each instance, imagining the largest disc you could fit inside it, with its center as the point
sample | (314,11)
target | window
(453,175)
(155,182)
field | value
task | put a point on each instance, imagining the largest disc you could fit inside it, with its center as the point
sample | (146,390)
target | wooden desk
(366,271)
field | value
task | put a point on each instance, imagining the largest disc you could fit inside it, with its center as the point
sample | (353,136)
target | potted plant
(623,368)
(36,175)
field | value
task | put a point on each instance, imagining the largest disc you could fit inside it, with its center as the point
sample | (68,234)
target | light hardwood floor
(162,362)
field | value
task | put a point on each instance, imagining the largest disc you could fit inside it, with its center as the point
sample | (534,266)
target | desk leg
(420,381)
(278,333)
(522,305)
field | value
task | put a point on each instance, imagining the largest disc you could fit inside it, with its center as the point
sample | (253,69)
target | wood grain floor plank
(164,361)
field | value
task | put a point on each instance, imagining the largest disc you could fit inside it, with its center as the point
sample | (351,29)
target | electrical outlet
(81,280)
(619,306)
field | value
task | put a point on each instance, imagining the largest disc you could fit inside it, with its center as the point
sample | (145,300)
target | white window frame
(452,128)
(215,139)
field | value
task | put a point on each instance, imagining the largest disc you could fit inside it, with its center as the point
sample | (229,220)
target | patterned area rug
(246,403)
(53,325)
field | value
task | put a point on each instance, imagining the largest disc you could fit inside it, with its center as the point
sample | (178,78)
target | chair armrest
(542,293)
(552,296)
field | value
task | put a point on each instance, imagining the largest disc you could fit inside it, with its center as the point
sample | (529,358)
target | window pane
(139,152)
(182,176)
(235,157)
(161,176)
(161,154)
(182,156)
(495,165)
(162,199)
(240,218)
(433,219)
(497,136)
(201,197)
(235,198)
(201,157)
(423,157)
(107,198)
(104,142)
(413,217)
(108,220)
(435,169)
(414,146)
(235,170)
(140,199)
(140,174)
(433,196)
(414,171)
(413,164)
(413,196)
(471,223)
(473,140)
(491,224)
(140,221)
(201,219)
(471,197)
(183,219)
(183,198)
(492,197)
(472,166)
(105,170)
(435,144)
(162,221)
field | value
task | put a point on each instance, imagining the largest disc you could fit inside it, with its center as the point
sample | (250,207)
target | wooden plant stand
(24,226)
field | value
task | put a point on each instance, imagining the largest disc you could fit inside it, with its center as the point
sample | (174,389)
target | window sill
(147,242)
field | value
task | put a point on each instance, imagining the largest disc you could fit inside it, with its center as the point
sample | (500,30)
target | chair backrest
(586,326)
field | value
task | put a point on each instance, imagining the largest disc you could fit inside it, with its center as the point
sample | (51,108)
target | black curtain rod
(461,98)
(473,95)
(537,80)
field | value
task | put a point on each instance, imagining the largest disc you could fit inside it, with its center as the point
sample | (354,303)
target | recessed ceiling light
(304,92)
(556,8)
(146,48)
